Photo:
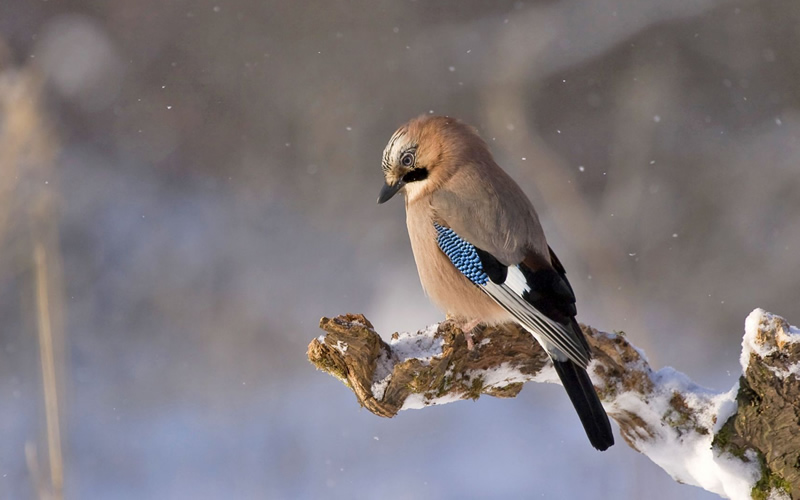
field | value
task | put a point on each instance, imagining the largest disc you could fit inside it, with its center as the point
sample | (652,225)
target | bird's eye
(407,160)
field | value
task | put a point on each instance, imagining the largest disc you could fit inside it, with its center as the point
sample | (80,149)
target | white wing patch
(516,281)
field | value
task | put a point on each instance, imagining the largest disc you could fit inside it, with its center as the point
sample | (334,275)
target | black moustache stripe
(417,174)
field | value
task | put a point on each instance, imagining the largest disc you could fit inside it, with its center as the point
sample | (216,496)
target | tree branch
(738,444)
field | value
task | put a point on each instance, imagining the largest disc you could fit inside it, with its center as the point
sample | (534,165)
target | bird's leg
(467,328)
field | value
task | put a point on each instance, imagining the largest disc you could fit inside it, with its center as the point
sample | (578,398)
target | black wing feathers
(496,270)
(549,293)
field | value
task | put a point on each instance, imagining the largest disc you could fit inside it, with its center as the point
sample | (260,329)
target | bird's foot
(468,328)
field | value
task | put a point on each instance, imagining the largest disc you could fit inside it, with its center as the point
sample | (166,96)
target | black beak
(389,190)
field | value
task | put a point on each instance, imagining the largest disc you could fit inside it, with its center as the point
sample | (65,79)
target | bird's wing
(531,290)
(487,208)
(568,305)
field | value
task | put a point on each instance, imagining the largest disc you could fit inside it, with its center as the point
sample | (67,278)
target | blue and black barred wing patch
(509,287)
(462,254)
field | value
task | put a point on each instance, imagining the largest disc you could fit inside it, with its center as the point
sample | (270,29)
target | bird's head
(423,153)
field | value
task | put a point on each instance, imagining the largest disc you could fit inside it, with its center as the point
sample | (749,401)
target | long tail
(581,392)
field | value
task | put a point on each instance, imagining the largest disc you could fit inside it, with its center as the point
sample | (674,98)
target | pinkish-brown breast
(443,283)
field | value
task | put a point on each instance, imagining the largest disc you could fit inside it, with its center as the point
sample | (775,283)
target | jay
(481,252)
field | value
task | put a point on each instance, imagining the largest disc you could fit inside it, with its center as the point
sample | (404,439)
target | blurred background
(186,187)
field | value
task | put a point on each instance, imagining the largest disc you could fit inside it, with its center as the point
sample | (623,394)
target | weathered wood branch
(738,444)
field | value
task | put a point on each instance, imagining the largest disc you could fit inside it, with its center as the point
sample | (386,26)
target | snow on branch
(744,443)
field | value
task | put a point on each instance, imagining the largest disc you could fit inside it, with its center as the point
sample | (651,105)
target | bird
(481,252)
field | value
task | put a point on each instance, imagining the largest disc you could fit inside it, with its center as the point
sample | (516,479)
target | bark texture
(756,425)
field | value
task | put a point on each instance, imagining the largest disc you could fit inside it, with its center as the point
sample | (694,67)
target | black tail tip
(598,430)
(603,441)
